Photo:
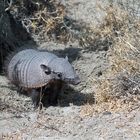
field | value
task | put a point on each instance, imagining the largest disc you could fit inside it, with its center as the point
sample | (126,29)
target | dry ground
(77,116)
(74,118)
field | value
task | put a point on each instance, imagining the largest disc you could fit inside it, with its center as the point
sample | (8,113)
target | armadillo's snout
(76,80)
(73,81)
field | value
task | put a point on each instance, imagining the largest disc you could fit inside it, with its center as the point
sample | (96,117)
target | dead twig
(10,5)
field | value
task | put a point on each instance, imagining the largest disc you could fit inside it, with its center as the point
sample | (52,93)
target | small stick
(10,5)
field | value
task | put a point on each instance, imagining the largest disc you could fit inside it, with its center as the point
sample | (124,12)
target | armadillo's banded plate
(24,68)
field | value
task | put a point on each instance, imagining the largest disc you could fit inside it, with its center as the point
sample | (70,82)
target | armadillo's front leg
(53,98)
(50,96)
(21,90)
(35,95)
(55,92)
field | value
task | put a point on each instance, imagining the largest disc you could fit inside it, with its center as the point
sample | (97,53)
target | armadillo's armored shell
(24,68)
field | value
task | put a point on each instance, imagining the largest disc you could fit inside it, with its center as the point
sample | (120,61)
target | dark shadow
(12,37)
(98,45)
(71,52)
(65,98)
(71,96)
(10,86)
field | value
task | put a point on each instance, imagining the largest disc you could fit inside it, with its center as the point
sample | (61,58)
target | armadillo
(33,69)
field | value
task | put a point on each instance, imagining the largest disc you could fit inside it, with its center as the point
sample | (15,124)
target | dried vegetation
(46,20)
(122,78)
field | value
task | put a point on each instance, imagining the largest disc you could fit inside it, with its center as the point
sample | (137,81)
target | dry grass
(119,87)
(46,20)
(113,106)
(122,78)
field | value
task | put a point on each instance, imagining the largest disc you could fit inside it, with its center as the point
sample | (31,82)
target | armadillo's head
(61,69)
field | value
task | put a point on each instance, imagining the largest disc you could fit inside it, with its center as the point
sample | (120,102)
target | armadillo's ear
(66,58)
(46,69)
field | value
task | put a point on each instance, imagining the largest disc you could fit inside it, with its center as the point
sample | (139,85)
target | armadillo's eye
(47,72)
(59,75)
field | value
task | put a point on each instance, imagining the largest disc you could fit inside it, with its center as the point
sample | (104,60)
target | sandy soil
(68,120)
